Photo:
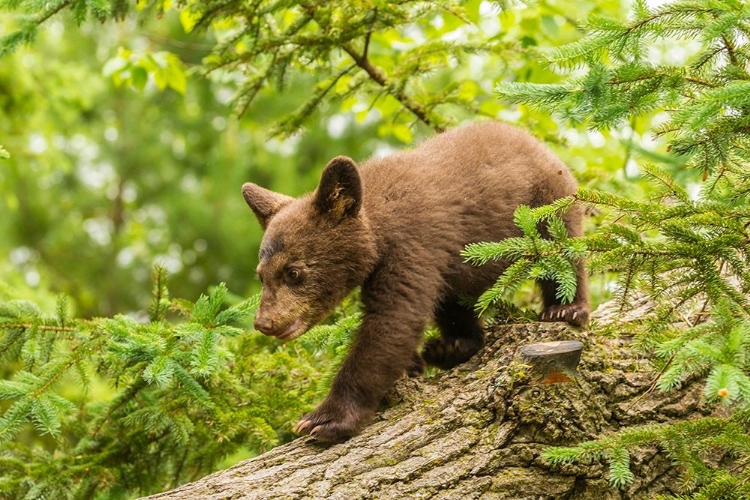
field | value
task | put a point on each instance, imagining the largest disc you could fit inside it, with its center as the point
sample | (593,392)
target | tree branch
(478,431)
(376,75)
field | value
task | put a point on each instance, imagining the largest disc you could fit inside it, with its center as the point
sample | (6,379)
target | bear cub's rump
(396,226)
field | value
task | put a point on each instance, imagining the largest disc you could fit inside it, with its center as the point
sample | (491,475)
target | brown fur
(396,226)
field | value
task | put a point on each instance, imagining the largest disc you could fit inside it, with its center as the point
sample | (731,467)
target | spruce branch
(29,326)
(688,253)
(160,295)
(174,388)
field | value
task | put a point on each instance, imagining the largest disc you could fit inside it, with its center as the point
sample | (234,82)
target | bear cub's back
(464,183)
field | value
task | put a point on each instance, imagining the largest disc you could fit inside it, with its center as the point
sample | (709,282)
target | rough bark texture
(477,431)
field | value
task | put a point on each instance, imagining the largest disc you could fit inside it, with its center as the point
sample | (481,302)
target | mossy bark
(477,431)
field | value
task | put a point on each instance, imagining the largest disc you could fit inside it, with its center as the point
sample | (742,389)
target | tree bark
(477,431)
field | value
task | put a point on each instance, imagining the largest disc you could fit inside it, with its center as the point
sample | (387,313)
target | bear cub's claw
(574,314)
(447,353)
(333,421)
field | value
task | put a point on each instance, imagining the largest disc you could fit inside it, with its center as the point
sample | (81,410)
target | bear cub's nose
(263,325)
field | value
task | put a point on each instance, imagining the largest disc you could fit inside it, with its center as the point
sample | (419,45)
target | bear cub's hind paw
(574,314)
(447,353)
(416,366)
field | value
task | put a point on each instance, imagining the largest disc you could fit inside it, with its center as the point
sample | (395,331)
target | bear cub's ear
(264,203)
(339,193)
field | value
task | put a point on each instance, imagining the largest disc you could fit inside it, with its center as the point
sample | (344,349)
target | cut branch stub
(552,362)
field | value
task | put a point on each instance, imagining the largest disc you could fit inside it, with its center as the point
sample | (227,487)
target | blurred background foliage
(125,143)
(109,173)
(105,180)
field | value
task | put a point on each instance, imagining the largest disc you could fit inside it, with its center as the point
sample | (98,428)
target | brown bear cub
(396,226)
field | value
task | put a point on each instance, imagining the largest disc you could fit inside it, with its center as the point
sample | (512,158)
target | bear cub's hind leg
(416,366)
(575,313)
(461,336)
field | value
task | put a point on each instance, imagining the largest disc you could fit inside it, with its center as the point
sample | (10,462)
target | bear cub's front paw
(574,314)
(333,421)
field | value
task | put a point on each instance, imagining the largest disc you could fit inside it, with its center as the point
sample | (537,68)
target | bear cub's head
(315,250)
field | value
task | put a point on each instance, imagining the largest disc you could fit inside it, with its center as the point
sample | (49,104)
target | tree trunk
(477,431)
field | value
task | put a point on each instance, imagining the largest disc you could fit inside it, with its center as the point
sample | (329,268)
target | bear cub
(396,226)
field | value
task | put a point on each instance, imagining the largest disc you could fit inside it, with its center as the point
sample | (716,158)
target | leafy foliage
(686,442)
(121,405)
(554,258)
(717,349)
(184,395)
(709,96)
(687,250)
(363,55)
(132,69)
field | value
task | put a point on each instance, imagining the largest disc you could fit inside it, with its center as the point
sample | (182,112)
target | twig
(653,384)
(730,51)
(369,32)
(375,74)
(629,144)
(52,12)
(27,326)
(362,61)
(201,47)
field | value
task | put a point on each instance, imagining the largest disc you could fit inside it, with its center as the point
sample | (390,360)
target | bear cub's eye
(294,275)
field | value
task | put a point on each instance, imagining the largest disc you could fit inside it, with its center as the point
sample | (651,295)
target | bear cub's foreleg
(461,336)
(384,350)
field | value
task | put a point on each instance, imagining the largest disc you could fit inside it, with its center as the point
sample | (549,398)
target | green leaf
(204,359)
(557,229)
(189,18)
(207,308)
(175,74)
(138,77)
(160,78)
(115,65)
(511,279)
(239,311)
(192,386)
(524,218)
(61,310)
(402,132)
(619,467)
